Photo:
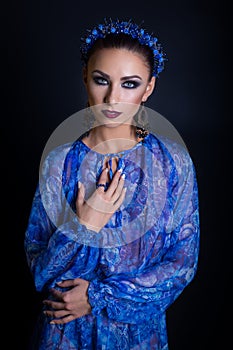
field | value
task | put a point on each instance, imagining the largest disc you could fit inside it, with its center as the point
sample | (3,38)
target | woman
(113,234)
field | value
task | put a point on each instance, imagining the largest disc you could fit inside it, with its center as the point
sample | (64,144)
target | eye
(130,84)
(100,81)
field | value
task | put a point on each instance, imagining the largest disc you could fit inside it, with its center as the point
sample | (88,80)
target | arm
(54,237)
(52,252)
(52,244)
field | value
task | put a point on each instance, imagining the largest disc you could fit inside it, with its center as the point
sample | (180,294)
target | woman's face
(117,81)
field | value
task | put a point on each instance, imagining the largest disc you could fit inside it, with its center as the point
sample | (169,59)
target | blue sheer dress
(137,265)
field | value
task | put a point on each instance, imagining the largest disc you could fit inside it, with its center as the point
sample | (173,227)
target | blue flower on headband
(128,28)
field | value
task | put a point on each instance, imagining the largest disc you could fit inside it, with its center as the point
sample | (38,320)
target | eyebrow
(123,78)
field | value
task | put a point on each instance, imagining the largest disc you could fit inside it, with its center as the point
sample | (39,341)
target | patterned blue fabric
(137,265)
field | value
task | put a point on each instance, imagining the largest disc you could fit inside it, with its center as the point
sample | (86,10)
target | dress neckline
(120,153)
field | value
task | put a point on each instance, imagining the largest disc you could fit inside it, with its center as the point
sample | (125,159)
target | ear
(85,75)
(149,89)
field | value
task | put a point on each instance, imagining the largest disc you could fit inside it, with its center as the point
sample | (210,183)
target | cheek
(94,93)
(135,96)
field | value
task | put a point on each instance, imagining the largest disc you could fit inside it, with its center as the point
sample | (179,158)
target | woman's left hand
(70,304)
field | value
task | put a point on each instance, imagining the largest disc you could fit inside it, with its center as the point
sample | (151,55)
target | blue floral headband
(129,28)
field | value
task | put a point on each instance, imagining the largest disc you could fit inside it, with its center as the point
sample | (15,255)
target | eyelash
(103,81)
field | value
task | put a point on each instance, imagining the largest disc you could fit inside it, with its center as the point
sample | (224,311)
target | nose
(112,95)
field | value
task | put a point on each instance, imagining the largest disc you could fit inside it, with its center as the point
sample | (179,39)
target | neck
(105,139)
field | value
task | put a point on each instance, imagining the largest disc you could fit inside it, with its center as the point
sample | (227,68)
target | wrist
(89,226)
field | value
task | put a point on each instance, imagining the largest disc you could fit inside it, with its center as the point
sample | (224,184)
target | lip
(111,114)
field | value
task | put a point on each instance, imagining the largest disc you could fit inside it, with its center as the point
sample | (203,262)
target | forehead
(115,61)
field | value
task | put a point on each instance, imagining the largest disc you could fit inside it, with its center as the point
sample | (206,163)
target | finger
(56,305)
(70,283)
(56,314)
(103,179)
(81,194)
(63,320)
(114,183)
(67,283)
(58,295)
(119,188)
(120,200)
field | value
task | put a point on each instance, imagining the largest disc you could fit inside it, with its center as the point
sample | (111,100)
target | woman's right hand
(96,211)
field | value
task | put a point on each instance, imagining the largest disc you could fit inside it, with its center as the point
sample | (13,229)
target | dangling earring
(142,124)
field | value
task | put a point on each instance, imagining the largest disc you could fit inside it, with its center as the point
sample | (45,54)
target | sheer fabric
(137,265)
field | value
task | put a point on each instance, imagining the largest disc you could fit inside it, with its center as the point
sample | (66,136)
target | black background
(43,86)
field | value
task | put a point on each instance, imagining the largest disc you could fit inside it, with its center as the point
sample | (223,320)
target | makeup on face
(116,75)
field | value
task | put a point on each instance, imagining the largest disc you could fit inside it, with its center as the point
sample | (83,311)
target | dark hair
(124,41)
